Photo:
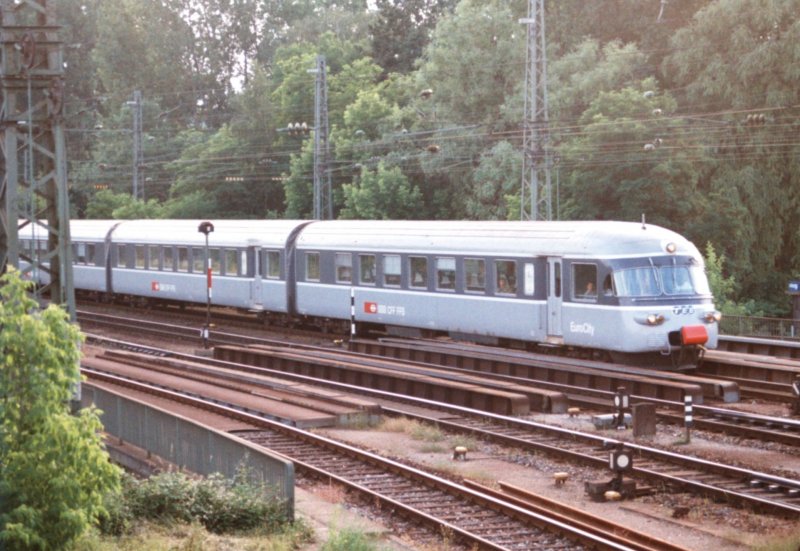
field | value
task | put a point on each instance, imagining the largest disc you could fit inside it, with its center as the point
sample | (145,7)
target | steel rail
(435,501)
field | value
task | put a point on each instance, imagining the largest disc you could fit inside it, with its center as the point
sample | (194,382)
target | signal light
(298,129)
(756,119)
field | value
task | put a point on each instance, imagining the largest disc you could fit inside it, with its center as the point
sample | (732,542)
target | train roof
(575,239)
(227,233)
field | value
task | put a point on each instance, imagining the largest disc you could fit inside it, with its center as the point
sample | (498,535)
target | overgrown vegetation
(221,506)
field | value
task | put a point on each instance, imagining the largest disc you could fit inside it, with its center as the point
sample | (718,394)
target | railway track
(473,518)
(716,419)
(746,488)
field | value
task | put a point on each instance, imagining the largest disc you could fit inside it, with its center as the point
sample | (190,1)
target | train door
(255,288)
(554,297)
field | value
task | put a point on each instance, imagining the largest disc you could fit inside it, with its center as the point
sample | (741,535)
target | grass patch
(414,429)
(149,536)
(433,447)
(350,539)
(785,542)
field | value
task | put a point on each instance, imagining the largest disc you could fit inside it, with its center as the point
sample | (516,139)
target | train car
(634,292)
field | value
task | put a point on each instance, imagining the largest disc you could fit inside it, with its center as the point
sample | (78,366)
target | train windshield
(654,281)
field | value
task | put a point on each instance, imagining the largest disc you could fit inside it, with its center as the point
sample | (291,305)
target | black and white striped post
(352,317)
(687,415)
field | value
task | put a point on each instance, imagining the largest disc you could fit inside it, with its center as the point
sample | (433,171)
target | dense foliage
(649,105)
(54,469)
(221,506)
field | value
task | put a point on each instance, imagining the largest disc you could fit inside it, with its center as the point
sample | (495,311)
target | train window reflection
(153,257)
(312,266)
(273,259)
(344,267)
(446,273)
(169,263)
(676,280)
(419,271)
(367,262)
(584,281)
(636,282)
(198,261)
(140,251)
(122,261)
(231,262)
(475,272)
(391,270)
(506,276)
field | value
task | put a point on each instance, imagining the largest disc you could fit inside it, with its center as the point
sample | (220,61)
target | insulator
(426,93)
(290,129)
(433,148)
(649,147)
(649,94)
(304,128)
(657,112)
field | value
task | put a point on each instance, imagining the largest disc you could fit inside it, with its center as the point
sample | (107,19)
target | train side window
(169,259)
(153,257)
(90,251)
(231,262)
(121,260)
(584,282)
(198,260)
(140,256)
(446,273)
(475,272)
(312,266)
(419,271)
(391,270)
(367,271)
(506,277)
(344,267)
(80,253)
(528,284)
(608,286)
(243,268)
(273,261)
(183,259)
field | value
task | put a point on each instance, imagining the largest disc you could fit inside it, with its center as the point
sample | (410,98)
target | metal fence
(748,326)
(190,445)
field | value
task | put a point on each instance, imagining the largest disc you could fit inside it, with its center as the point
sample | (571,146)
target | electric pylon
(536,159)
(323,200)
(33,191)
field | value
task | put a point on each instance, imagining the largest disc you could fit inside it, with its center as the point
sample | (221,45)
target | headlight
(712,317)
(655,319)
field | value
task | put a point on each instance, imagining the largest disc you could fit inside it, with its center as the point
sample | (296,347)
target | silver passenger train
(633,292)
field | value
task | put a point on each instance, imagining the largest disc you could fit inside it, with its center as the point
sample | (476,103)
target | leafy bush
(221,506)
(54,470)
(349,539)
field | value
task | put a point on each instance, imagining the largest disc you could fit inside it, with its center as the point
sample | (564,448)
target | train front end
(666,307)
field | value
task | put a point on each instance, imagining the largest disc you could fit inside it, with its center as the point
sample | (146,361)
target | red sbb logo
(154,286)
(371,307)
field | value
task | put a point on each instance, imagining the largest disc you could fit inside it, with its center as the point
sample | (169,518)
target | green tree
(105,202)
(497,177)
(54,470)
(402,29)
(383,194)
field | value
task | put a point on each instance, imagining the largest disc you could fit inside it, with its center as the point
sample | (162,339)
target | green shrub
(221,506)
(349,539)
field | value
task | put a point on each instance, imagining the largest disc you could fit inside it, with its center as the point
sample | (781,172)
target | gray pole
(138,154)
